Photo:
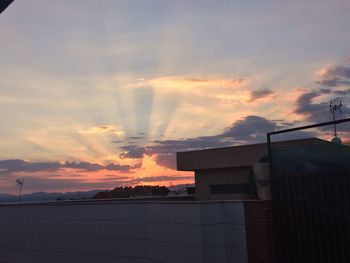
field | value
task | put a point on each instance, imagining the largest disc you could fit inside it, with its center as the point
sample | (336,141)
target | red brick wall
(258,217)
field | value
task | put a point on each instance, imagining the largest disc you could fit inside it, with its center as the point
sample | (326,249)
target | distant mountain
(43,196)
(8,198)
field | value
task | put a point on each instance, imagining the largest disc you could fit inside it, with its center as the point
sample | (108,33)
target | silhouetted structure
(4,4)
(227,173)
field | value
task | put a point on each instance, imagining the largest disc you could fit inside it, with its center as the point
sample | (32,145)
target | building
(180,229)
(227,173)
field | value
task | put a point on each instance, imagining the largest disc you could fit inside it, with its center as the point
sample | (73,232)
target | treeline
(137,191)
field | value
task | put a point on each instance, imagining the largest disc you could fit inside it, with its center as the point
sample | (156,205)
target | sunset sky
(97,94)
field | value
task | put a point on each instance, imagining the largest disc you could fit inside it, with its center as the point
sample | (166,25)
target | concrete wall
(205,178)
(123,232)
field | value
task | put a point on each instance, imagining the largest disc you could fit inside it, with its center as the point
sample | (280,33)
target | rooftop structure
(226,173)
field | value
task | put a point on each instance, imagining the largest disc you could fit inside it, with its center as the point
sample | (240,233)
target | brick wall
(258,217)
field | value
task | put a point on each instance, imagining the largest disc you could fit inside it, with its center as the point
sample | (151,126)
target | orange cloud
(190,84)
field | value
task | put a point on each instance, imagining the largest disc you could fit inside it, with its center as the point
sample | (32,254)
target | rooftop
(234,156)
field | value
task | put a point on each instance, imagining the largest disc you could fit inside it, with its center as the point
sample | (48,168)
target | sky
(99,94)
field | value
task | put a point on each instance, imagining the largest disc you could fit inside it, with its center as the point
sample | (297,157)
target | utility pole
(333,109)
(20,183)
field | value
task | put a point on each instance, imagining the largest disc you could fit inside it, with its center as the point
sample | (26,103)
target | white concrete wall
(141,232)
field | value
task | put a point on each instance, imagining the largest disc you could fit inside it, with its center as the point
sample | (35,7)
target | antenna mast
(333,109)
(20,183)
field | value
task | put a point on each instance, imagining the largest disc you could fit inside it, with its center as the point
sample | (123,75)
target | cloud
(132,151)
(202,142)
(13,166)
(167,160)
(259,94)
(251,129)
(337,76)
(54,183)
(314,106)
(315,112)
(118,167)
(190,83)
(338,71)
(334,82)
(102,129)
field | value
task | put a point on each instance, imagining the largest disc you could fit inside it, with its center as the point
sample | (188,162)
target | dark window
(218,189)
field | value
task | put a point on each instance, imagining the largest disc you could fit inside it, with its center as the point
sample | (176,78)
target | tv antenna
(333,109)
(20,183)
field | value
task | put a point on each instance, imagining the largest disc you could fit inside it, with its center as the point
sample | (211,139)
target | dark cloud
(341,92)
(118,167)
(325,91)
(336,77)
(82,165)
(314,105)
(316,112)
(319,111)
(202,142)
(12,166)
(167,160)
(259,94)
(338,71)
(334,82)
(251,129)
(132,151)
(334,91)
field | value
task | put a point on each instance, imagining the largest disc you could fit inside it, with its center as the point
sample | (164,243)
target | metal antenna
(333,109)
(20,183)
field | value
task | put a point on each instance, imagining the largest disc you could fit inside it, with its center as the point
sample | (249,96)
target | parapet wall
(123,232)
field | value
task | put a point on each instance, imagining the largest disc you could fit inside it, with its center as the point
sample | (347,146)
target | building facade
(227,173)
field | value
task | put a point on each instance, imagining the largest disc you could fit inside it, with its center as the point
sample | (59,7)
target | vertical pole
(269,149)
(334,125)
(20,193)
